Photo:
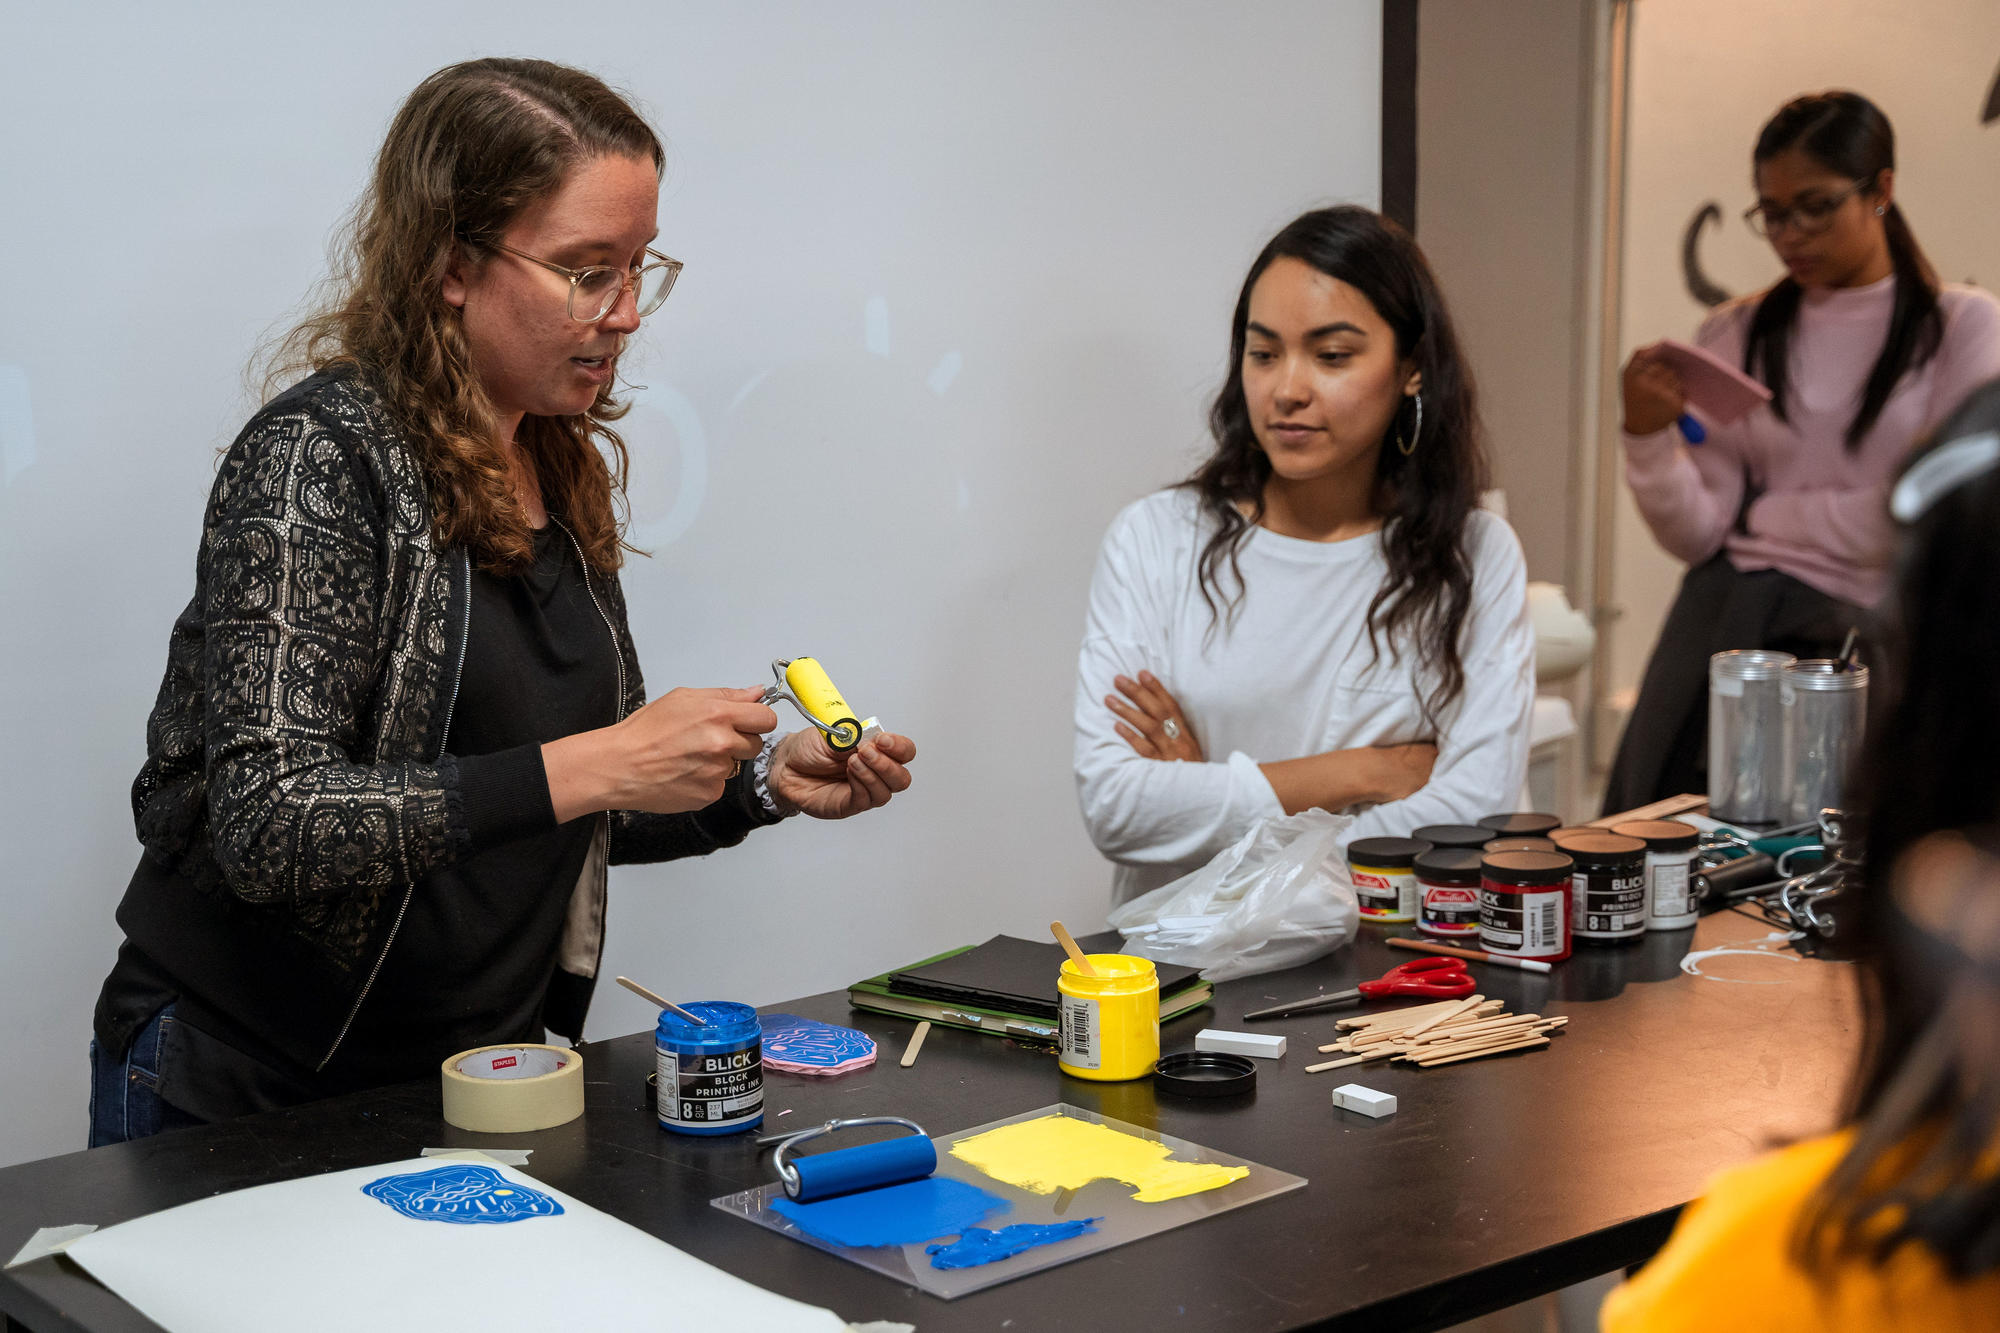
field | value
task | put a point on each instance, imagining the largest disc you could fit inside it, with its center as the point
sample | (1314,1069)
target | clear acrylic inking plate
(1124,1219)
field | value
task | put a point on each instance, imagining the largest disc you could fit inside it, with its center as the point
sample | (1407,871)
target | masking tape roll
(513,1089)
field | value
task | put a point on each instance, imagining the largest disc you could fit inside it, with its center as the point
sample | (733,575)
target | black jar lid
(1454,835)
(1596,848)
(1520,845)
(1527,869)
(1450,865)
(1660,835)
(1523,825)
(1387,853)
(1205,1074)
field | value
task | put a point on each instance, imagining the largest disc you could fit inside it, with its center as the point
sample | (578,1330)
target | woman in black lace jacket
(402,730)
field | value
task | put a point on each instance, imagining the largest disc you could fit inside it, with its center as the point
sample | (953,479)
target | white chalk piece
(1262,1045)
(1354,1097)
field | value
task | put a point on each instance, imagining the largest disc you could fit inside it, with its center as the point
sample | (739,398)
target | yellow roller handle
(815,691)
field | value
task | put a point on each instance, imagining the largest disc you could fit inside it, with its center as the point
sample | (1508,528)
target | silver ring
(1172,728)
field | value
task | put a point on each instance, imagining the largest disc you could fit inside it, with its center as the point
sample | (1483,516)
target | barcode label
(1544,930)
(1079,1033)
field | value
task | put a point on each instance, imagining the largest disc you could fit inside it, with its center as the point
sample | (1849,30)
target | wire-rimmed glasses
(1810,217)
(594,290)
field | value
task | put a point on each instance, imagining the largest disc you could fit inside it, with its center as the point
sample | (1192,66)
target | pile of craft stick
(1438,1034)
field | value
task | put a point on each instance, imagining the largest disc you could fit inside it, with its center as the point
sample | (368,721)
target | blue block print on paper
(895,1214)
(464,1193)
(978,1246)
(791,1040)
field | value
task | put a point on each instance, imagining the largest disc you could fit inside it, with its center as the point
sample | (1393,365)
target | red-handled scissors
(1442,978)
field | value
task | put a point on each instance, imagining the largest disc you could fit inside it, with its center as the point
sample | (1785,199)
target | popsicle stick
(1470,1002)
(1433,1050)
(665,1004)
(1490,1050)
(916,1043)
(1350,1060)
(1394,1015)
(1069,946)
(1454,1031)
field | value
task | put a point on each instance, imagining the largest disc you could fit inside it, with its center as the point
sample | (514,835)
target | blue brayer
(827,1175)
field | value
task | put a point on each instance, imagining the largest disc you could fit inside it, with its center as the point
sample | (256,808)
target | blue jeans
(124,1089)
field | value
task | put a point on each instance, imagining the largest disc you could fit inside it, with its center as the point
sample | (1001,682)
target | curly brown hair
(474,144)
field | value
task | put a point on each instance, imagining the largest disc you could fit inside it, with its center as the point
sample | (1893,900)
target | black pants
(1664,751)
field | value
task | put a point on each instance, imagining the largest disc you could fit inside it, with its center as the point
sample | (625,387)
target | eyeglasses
(594,290)
(1810,217)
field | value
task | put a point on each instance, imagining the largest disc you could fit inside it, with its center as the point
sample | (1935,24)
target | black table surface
(1496,1180)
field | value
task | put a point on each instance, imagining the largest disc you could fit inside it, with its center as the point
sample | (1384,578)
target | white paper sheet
(319,1254)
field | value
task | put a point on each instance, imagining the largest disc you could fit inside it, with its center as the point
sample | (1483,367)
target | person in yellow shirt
(1893,1222)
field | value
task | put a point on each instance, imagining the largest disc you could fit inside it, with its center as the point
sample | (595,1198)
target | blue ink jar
(711,1077)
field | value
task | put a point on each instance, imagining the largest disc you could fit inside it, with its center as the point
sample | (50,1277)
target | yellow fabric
(1728,1266)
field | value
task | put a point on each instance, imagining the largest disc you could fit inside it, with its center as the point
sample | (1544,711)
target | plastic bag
(1278,897)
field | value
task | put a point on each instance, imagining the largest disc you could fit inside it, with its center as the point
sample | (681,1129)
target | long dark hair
(472,146)
(1927,1112)
(1848,135)
(1425,496)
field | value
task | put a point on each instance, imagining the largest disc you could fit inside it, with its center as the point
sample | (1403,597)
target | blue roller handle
(871,1166)
(1691,430)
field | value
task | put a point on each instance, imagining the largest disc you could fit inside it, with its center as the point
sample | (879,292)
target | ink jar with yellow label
(1110,1022)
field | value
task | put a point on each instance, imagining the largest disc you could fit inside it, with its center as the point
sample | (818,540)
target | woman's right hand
(675,754)
(1654,398)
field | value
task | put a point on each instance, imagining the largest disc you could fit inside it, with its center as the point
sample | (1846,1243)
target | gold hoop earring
(1416,431)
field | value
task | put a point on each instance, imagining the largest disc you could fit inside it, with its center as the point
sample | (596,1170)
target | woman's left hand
(1155,724)
(812,777)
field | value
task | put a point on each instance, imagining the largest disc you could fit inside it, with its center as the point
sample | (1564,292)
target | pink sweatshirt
(1823,515)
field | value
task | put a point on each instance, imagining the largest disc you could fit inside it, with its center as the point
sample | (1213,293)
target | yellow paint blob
(1056,1152)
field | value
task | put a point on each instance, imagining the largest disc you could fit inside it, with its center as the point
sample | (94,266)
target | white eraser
(1354,1097)
(1260,1044)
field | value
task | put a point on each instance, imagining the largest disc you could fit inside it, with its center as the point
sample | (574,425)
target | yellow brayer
(803,683)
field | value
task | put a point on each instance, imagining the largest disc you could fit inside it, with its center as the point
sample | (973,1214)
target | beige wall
(1503,156)
(1705,75)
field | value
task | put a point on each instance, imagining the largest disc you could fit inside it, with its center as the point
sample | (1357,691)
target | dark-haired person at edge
(1893,1222)
(1780,513)
(1321,616)
(402,730)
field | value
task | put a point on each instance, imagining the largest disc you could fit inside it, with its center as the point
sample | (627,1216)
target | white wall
(1705,76)
(958,286)
(1503,214)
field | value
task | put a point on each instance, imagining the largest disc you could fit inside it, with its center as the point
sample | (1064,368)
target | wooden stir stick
(665,1004)
(1063,938)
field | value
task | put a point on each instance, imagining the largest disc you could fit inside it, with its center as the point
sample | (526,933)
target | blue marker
(1691,430)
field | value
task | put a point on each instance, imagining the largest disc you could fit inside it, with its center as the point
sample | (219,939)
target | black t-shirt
(474,954)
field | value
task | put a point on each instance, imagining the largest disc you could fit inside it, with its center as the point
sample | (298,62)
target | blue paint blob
(462,1194)
(977,1245)
(894,1215)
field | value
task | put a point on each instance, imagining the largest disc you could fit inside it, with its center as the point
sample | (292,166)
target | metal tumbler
(1747,781)
(1825,711)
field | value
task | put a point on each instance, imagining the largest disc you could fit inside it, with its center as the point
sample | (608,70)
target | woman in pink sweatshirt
(1782,515)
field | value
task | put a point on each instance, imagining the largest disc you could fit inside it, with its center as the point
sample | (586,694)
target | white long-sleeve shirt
(1290,675)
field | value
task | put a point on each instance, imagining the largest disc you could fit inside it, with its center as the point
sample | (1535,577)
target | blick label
(711,1089)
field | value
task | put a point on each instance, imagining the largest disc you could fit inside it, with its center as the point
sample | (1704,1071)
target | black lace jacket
(295,759)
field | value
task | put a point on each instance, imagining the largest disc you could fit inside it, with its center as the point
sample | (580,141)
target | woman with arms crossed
(403,730)
(1321,616)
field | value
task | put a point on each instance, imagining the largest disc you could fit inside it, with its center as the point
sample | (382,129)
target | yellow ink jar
(1110,1022)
